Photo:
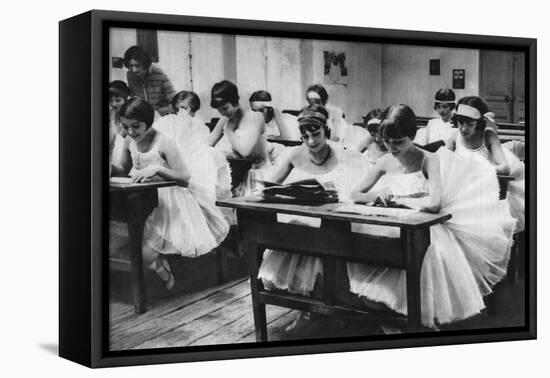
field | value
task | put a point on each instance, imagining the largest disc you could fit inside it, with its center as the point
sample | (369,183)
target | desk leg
(331,265)
(254,253)
(416,243)
(137,214)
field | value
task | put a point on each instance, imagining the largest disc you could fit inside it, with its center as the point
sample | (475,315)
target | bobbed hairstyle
(445,94)
(138,54)
(263,96)
(194,100)
(224,92)
(260,96)
(475,102)
(313,118)
(398,121)
(119,88)
(321,91)
(137,109)
(373,114)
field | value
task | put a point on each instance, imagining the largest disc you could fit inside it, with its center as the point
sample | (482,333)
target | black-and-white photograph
(254,198)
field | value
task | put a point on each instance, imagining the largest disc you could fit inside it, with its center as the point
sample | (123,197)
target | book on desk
(308,191)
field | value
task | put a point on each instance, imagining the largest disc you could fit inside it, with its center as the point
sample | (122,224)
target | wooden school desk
(284,142)
(332,241)
(132,203)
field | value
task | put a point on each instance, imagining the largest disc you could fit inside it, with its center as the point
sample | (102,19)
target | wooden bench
(511,131)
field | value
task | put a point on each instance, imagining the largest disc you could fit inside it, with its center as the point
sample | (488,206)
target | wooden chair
(292,112)
(212,123)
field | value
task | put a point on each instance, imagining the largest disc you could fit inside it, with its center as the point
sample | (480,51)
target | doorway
(502,84)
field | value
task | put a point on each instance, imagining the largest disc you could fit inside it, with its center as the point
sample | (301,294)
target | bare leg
(160,265)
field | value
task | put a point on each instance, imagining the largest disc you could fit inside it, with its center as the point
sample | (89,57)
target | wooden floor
(200,312)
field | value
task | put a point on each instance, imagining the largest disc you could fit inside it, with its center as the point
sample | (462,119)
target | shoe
(162,268)
(386,330)
(301,322)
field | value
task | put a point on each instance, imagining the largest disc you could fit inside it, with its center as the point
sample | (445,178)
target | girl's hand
(384,196)
(357,197)
(144,174)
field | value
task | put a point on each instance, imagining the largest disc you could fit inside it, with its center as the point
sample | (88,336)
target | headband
(312,114)
(218,100)
(374,121)
(311,121)
(313,95)
(473,113)
(261,103)
(443,102)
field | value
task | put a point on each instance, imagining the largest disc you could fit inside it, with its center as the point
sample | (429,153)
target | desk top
(505,178)
(327,211)
(284,142)
(117,187)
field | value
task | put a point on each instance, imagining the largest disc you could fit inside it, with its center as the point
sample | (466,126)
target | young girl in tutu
(186,221)
(468,254)
(241,134)
(473,138)
(318,95)
(190,102)
(315,158)
(439,129)
(207,165)
(372,146)
(118,95)
(276,123)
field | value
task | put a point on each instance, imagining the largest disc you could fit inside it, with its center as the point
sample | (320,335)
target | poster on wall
(336,71)
(459,79)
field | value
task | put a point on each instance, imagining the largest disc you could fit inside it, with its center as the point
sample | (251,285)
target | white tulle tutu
(298,273)
(467,256)
(516,188)
(186,221)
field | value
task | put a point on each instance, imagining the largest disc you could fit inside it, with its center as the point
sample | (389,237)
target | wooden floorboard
(130,337)
(242,329)
(222,314)
(130,320)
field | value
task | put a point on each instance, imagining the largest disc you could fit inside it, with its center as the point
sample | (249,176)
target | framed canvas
(227,207)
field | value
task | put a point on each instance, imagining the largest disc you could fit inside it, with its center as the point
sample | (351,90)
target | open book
(303,191)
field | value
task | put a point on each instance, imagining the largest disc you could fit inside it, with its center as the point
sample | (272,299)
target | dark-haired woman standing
(147,81)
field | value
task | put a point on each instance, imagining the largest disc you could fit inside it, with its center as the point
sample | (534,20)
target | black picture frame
(83,192)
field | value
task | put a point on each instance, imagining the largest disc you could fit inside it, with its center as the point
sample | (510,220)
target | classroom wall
(378,75)
(271,64)
(364,88)
(406,79)
(119,41)
(175,49)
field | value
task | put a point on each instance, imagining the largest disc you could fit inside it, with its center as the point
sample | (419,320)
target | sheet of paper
(352,208)
(120,180)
